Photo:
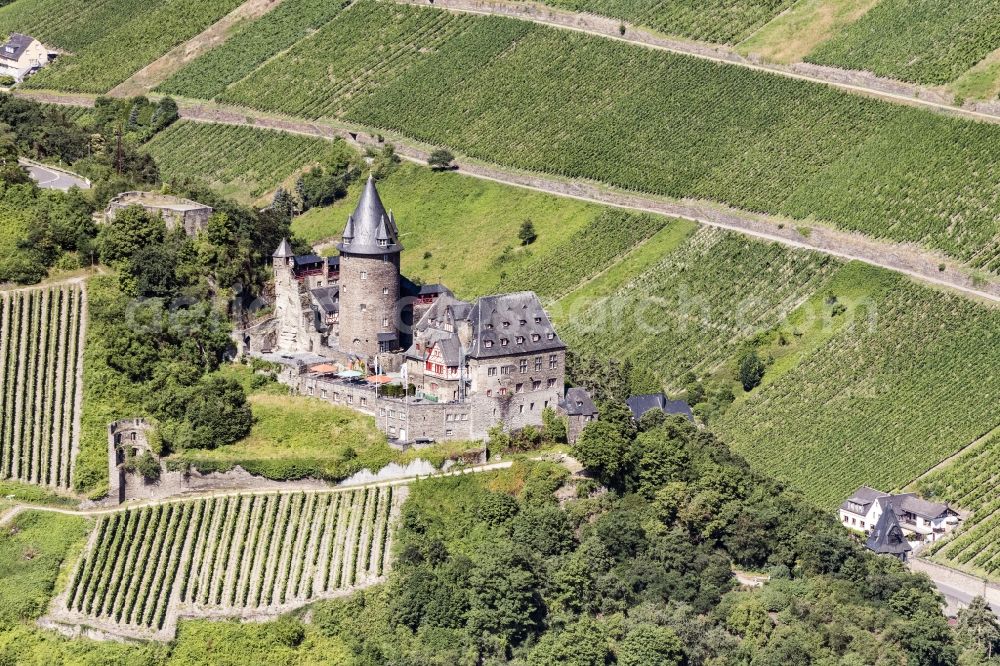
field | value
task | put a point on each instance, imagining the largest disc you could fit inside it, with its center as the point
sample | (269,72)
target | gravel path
(908,259)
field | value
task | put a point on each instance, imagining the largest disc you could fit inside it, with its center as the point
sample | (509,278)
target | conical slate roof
(887,536)
(370,229)
(284,250)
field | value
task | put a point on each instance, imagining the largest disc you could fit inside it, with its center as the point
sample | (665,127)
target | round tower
(369,278)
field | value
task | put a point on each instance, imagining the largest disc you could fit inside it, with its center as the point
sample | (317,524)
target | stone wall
(126,438)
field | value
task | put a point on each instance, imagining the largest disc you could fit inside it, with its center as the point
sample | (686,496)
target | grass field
(972,483)
(924,41)
(295,436)
(32,549)
(465,225)
(112,39)
(886,396)
(722,21)
(484,85)
(795,33)
(243,163)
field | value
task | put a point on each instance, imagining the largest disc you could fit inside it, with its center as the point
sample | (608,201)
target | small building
(580,410)
(22,55)
(925,521)
(640,404)
(887,537)
(175,211)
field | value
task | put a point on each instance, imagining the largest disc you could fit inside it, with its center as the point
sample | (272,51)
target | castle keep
(351,329)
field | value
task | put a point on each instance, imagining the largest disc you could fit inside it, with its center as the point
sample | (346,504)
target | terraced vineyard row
(41,350)
(924,41)
(721,21)
(131,35)
(69,24)
(535,98)
(242,555)
(241,54)
(692,309)
(881,401)
(972,482)
(366,47)
(242,162)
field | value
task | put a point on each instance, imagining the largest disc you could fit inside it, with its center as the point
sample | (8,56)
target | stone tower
(369,278)
(287,307)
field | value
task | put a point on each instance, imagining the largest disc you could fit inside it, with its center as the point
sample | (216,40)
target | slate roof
(370,229)
(578,402)
(19,43)
(333,263)
(511,317)
(904,503)
(408,287)
(640,404)
(284,250)
(307,259)
(887,537)
(327,298)
(863,496)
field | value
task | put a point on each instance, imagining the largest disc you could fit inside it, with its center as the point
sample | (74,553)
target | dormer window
(489,327)
(538,320)
(520,340)
(506,324)
(489,343)
(383,242)
(523,322)
(552,336)
(503,342)
(535,337)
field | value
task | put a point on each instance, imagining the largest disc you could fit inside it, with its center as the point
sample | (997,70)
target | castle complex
(348,328)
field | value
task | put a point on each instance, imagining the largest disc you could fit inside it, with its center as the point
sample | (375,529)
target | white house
(22,55)
(926,521)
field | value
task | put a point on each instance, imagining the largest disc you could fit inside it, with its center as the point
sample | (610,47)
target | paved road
(53,179)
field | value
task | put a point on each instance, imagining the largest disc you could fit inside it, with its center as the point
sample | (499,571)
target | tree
(603,450)
(440,160)
(148,466)
(649,644)
(751,371)
(527,233)
(217,414)
(131,230)
(979,626)
(553,426)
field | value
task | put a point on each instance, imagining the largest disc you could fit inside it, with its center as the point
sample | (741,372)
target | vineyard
(905,385)
(116,39)
(241,162)
(366,47)
(242,556)
(971,482)
(208,76)
(69,24)
(923,41)
(484,85)
(722,21)
(41,333)
(692,309)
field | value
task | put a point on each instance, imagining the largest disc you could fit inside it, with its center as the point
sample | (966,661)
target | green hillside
(647,120)
(924,41)
(239,162)
(972,483)
(901,385)
(108,40)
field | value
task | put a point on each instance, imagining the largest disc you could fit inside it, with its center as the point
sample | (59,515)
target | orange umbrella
(378,379)
(324,368)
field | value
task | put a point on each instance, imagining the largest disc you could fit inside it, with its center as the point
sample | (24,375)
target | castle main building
(468,365)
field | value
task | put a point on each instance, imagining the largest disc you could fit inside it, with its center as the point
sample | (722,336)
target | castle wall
(369,291)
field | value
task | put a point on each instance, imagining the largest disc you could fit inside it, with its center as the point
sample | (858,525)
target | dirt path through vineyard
(164,67)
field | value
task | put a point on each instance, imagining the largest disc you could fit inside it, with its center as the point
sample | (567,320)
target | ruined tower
(369,278)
